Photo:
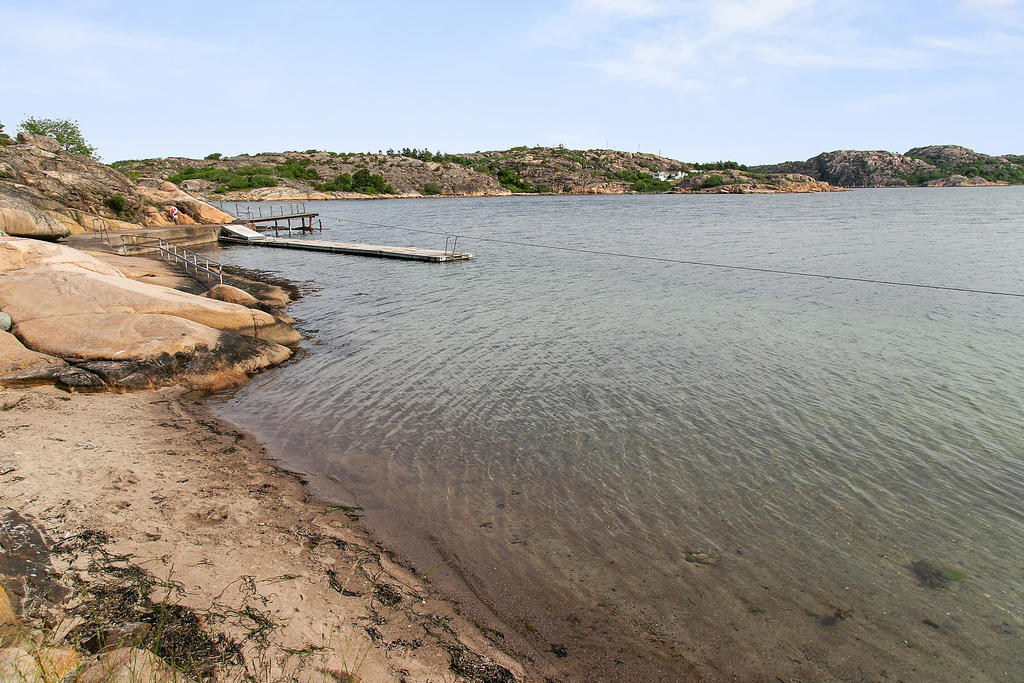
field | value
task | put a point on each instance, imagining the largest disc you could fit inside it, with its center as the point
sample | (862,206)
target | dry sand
(306,592)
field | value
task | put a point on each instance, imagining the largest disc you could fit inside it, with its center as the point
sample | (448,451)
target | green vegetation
(641,181)
(987,169)
(213,157)
(5,139)
(950,574)
(720,166)
(431,189)
(362,181)
(340,183)
(647,183)
(117,203)
(426,155)
(297,169)
(67,132)
(511,181)
(365,182)
(243,178)
(713,180)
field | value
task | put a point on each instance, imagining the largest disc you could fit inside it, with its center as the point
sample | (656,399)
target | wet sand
(199,505)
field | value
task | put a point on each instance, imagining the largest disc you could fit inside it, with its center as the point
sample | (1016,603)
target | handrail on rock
(190,259)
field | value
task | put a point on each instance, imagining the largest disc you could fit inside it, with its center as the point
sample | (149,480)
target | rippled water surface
(566,432)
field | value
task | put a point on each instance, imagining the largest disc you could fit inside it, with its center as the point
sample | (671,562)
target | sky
(755,81)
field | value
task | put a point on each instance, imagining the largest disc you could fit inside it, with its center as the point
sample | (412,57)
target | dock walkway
(235,234)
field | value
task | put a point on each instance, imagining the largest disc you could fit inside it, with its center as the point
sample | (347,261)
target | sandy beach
(291,588)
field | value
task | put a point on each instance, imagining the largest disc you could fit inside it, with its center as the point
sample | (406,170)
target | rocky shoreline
(142,539)
(147,541)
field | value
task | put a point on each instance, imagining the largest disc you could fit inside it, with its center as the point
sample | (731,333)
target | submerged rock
(699,557)
(934,576)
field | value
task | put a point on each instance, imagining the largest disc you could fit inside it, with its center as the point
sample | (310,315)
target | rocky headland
(48,194)
(314,174)
(932,166)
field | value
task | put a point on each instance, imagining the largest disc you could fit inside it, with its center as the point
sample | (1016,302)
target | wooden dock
(235,234)
(258,218)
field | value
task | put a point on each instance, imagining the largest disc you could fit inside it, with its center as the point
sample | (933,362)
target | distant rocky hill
(933,166)
(317,174)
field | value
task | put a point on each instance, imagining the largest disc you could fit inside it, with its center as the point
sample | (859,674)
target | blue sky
(754,81)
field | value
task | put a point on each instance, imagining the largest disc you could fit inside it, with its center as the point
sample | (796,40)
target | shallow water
(564,429)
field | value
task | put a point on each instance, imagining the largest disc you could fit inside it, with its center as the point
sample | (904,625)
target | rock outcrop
(16,254)
(734,181)
(934,166)
(21,365)
(847,168)
(19,217)
(47,194)
(83,324)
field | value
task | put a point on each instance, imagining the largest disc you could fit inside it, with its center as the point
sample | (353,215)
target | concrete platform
(408,253)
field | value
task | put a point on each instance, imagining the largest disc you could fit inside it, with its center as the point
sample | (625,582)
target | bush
(67,132)
(117,203)
(297,169)
(720,165)
(713,180)
(431,189)
(647,183)
(5,139)
(340,183)
(243,178)
(213,157)
(365,182)
(511,181)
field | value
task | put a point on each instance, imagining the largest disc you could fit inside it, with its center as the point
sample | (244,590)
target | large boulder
(114,336)
(59,290)
(19,365)
(23,253)
(18,217)
(232,295)
(140,351)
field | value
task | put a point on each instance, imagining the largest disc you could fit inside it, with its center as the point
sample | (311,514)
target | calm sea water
(557,436)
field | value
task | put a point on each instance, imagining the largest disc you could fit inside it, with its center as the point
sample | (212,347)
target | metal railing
(99,224)
(453,241)
(248,212)
(190,259)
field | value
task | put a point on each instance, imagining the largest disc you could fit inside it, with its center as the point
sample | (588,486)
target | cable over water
(705,264)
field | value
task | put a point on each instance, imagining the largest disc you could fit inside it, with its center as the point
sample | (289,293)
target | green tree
(4,138)
(67,132)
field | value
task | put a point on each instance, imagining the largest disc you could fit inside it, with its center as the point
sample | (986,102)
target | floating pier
(236,234)
(262,217)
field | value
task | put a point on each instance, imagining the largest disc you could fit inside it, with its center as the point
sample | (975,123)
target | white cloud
(626,8)
(693,45)
(986,4)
